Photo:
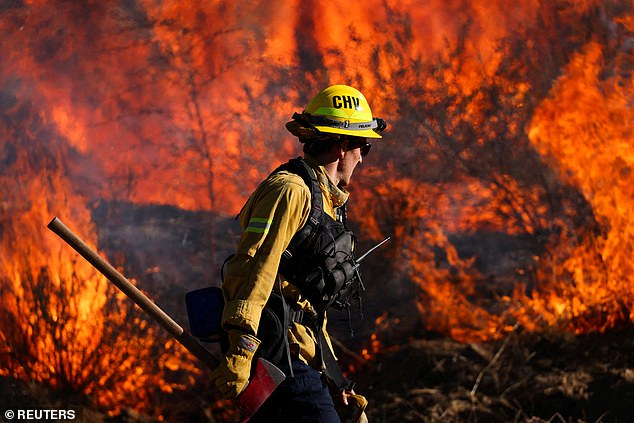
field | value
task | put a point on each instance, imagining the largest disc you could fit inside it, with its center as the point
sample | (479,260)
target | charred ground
(525,378)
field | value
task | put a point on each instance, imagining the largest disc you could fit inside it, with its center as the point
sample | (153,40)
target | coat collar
(336,195)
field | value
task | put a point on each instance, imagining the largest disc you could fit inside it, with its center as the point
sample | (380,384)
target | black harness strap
(307,234)
(332,369)
(299,167)
(287,324)
(329,364)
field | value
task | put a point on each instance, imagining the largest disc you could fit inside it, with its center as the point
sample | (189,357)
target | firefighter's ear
(342,150)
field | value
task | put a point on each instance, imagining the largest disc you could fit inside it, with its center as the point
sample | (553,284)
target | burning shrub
(63,325)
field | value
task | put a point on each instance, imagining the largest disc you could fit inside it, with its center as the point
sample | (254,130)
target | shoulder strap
(299,167)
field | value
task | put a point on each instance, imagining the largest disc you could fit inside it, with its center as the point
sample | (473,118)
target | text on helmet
(345,101)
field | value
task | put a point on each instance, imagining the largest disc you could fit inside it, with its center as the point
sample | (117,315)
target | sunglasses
(365,148)
(363,145)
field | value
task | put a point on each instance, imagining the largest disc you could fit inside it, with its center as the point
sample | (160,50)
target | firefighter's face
(354,149)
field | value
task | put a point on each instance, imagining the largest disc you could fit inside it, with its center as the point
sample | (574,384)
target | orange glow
(585,130)
(510,122)
(63,323)
(580,280)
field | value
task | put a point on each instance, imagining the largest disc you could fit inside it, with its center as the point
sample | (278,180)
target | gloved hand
(232,376)
(351,408)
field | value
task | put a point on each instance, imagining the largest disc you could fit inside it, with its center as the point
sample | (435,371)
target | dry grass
(523,378)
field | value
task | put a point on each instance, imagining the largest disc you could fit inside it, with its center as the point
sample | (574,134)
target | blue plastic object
(204,311)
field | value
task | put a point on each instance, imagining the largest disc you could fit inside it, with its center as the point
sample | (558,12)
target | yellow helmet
(338,109)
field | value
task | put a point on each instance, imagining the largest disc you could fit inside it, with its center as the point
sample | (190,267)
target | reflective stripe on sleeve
(258,225)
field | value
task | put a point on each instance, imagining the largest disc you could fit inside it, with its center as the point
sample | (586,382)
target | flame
(183,109)
(383,324)
(64,325)
(579,276)
(508,119)
(585,129)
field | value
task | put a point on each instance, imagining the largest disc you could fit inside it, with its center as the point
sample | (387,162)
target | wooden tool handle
(139,298)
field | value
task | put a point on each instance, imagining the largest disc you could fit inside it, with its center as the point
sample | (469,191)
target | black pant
(304,398)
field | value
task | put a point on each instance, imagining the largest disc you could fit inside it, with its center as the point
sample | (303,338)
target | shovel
(266,377)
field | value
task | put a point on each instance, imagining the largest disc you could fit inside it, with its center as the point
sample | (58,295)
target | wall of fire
(505,177)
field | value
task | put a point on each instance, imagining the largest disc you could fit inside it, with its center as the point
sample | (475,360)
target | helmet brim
(363,133)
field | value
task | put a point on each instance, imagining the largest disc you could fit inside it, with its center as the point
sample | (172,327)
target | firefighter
(278,284)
